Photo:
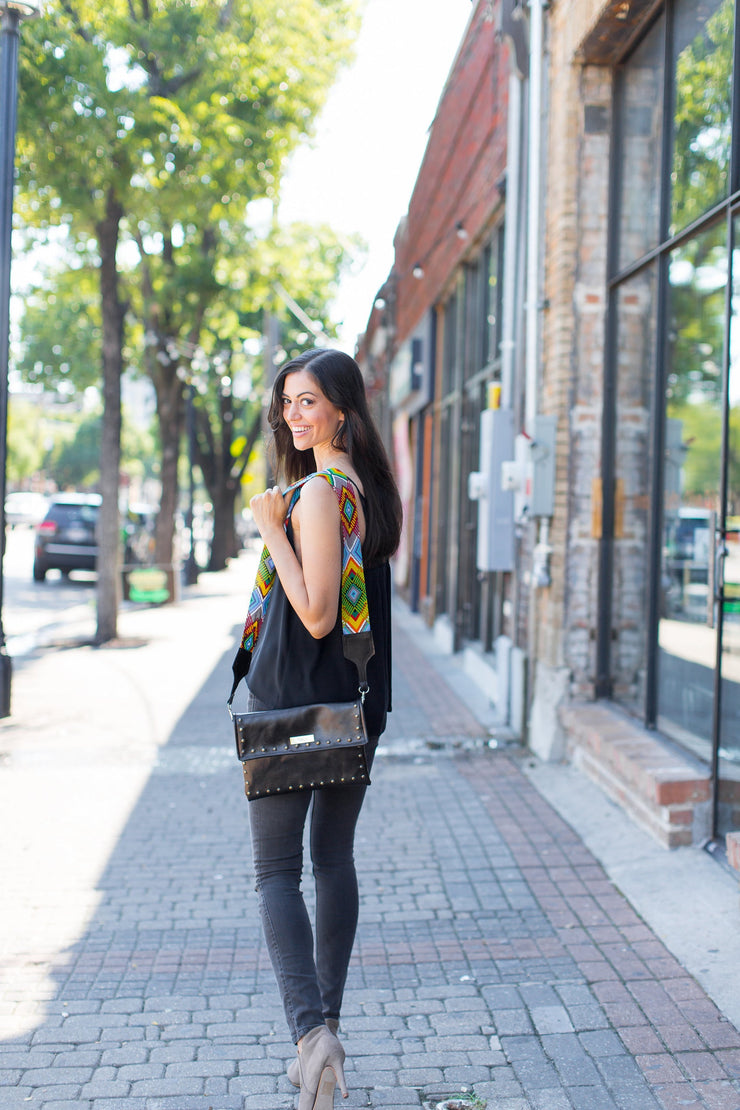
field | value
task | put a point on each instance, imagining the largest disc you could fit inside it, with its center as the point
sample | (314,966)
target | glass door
(692,488)
(699,630)
(727,745)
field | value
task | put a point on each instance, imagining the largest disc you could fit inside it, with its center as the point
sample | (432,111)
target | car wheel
(39,572)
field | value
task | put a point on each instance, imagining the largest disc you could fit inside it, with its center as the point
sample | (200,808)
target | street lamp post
(11,12)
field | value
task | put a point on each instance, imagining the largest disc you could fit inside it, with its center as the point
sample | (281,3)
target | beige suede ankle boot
(321,1063)
(294,1068)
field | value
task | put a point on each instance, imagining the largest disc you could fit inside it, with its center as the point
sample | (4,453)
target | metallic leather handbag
(311,746)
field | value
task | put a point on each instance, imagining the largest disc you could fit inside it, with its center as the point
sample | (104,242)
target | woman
(320,419)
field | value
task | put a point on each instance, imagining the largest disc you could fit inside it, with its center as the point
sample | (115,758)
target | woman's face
(312,418)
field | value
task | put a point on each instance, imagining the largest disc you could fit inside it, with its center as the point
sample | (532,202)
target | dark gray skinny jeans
(311,987)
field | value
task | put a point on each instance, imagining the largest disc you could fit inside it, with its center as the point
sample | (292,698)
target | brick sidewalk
(493,953)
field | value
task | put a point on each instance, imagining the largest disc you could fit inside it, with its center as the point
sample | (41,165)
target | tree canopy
(146,128)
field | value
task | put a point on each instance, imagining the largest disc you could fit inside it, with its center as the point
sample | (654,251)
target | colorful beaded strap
(357,637)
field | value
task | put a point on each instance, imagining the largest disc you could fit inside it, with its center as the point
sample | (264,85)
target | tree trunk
(222,475)
(224,545)
(109,525)
(170,410)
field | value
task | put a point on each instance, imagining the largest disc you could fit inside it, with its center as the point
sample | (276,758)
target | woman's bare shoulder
(317,493)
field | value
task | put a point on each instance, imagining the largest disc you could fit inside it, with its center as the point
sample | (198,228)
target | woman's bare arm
(311,576)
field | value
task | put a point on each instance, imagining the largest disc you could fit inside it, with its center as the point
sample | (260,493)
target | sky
(358,173)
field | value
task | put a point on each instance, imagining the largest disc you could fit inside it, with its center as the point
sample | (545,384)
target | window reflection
(640,113)
(703,44)
(730,705)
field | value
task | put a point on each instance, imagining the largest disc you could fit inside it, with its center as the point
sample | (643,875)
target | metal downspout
(534,189)
(511,237)
(532,310)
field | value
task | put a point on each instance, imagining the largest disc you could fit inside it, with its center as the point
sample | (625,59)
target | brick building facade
(557,344)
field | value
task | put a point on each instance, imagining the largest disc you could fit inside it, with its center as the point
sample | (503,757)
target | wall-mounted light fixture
(462,235)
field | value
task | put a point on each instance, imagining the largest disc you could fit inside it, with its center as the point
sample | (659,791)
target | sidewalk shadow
(167,999)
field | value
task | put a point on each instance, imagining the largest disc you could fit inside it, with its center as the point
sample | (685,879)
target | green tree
(159,121)
(76,164)
(26,440)
(703,113)
(75,459)
(698,276)
(293,274)
(222,140)
(733,462)
(62,334)
(701,434)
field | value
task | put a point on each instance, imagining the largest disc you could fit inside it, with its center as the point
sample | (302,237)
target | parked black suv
(66,538)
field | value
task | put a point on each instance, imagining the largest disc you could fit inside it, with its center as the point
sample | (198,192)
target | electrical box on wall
(516,476)
(495,550)
(530,474)
(543,466)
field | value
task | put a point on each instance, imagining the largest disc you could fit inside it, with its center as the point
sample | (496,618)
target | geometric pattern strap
(355,612)
(258,601)
(353,593)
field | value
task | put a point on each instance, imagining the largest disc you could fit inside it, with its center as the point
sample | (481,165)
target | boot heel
(338,1066)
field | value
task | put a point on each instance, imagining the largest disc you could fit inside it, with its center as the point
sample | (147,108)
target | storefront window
(640,112)
(674,366)
(702,66)
(474,286)
(636,308)
(493,290)
(449,354)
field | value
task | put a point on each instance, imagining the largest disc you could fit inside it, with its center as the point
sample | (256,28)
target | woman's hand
(269,511)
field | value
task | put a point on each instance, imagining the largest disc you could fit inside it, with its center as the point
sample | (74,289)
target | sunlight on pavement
(86,730)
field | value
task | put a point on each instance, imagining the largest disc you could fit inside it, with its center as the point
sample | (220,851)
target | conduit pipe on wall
(511,236)
(534,190)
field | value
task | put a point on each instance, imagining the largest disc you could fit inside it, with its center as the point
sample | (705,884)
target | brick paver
(494,954)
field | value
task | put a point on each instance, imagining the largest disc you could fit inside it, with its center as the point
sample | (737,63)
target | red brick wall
(465,157)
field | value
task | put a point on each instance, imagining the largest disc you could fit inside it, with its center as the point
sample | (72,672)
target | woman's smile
(312,418)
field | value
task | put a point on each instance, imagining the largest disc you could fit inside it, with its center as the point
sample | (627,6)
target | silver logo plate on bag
(307,739)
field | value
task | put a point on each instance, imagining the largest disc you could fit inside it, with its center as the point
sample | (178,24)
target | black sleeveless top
(290,667)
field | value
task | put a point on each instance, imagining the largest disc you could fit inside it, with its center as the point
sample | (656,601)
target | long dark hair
(340,380)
